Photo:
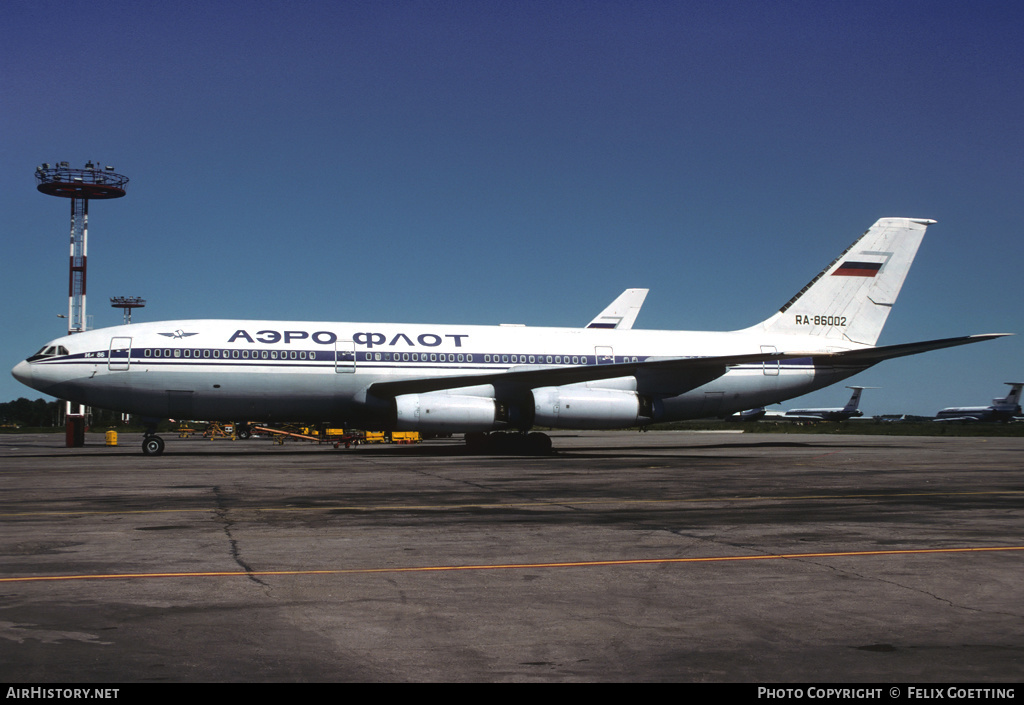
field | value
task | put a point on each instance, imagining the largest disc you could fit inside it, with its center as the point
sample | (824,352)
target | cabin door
(119,355)
(770,367)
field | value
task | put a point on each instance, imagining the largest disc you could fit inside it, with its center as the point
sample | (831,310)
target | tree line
(41,413)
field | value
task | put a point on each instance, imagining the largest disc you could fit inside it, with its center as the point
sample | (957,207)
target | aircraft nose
(23,373)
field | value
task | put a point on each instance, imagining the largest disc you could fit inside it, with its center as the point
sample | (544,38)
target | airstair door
(119,355)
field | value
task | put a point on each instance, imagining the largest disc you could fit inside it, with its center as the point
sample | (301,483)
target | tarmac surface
(624,556)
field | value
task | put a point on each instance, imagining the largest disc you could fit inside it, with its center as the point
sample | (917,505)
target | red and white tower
(80,185)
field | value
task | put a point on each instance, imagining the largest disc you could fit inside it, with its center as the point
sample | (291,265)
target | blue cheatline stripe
(198,357)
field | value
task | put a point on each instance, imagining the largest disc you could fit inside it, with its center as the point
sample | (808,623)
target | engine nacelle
(585,408)
(447,413)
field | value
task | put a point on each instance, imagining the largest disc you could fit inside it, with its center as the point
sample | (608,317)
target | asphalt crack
(222,513)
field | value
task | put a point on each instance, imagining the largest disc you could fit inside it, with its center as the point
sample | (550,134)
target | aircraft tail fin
(851,298)
(622,312)
(1013,398)
(854,402)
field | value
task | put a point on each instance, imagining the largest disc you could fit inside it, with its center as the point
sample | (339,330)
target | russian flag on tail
(853,268)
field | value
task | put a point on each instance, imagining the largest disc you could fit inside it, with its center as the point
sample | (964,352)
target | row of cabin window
(419,357)
(547,359)
(542,359)
(235,354)
(404,357)
(468,357)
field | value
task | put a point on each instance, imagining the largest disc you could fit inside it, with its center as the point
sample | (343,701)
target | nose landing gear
(152,444)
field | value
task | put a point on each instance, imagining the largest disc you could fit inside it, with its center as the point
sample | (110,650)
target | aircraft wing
(690,371)
(686,372)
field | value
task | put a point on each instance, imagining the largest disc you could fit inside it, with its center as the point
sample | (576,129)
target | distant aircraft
(851,410)
(1001,410)
(756,414)
(622,312)
(481,379)
(829,414)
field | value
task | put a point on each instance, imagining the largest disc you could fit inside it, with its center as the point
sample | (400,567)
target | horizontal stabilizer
(872,356)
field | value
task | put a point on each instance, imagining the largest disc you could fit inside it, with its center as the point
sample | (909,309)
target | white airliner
(851,410)
(756,415)
(481,379)
(1002,409)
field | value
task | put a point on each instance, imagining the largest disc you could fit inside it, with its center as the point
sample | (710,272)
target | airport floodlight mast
(80,185)
(126,304)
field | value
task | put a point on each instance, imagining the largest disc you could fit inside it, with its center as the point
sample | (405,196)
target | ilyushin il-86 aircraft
(493,383)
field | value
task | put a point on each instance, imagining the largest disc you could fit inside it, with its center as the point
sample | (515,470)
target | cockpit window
(49,351)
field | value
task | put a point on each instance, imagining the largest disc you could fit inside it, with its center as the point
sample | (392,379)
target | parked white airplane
(479,379)
(622,312)
(849,411)
(828,414)
(756,415)
(1002,409)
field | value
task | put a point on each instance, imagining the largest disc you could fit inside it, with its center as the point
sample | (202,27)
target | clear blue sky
(488,162)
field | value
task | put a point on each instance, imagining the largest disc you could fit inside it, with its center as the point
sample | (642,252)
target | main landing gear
(152,444)
(509,443)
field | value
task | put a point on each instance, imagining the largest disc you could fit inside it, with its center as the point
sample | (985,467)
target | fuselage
(826,414)
(288,370)
(1002,409)
(978,413)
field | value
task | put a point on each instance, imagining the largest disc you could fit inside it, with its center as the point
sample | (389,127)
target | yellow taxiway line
(511,566)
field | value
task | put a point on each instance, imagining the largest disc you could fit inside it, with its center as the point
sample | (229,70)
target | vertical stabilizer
(854,402)
(622,312)
(854,399)
(1012,399)
(851,298)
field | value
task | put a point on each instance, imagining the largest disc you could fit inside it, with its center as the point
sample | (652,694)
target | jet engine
(582,407)
(443,412)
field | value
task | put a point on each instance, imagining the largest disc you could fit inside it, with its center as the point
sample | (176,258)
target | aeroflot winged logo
(864,264)
(178,334)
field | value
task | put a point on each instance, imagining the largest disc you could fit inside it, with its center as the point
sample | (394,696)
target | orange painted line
(513,566)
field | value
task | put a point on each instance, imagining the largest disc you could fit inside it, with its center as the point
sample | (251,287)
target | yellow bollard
(111,438)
